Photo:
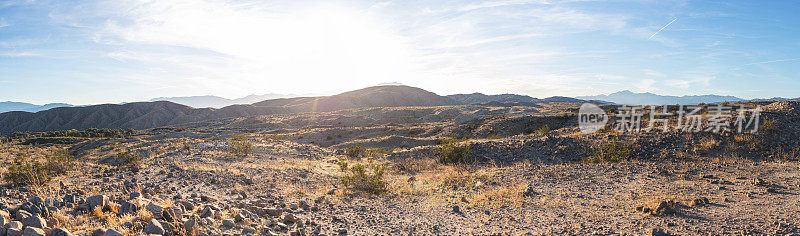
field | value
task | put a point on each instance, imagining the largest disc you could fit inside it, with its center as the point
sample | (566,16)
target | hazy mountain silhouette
(628,97)
(22,106)
(218,102)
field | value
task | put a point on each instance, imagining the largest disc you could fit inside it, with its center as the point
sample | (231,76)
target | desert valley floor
(524,170)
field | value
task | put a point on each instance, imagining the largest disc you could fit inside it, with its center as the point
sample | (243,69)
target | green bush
(355,151)
(453,151)
(364,178)
(239,145)
(60,162)
(543,129)
(769,125)
(27,171)
(130,160)
(613,151)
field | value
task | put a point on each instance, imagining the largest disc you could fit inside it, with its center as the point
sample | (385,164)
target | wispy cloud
(3,23)
(772,61)
(20,54)
(662,28)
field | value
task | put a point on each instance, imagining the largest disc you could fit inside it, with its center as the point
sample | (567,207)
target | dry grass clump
(507,195)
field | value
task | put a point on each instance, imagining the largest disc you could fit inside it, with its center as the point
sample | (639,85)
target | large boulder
(34,221)
(154,228)
(128,208)
(14,232)
(33,231)
(60,232)
(111,232)
(154,209)
(97,200)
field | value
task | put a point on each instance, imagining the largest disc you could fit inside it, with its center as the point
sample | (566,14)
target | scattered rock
(228,223)
(248,230)
(666,208)
(34,221)
(97,200)
(657,232)
(112,232)
(529,192)
(33,231)
(154,227)
(700,201)
(154,209)
(274,212)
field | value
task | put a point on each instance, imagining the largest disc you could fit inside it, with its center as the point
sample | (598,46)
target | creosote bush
(612,151)
(59,162)
(452,151)
(239,145)
(130,160)
(364,178)
(354,151)
(359,151)
(27,170)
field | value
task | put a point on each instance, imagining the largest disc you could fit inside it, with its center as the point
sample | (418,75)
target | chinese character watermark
(714,118)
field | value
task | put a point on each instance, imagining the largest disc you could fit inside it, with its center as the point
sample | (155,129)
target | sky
(91,52)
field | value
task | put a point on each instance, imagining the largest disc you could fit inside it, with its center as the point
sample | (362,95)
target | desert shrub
(130,160)
(373,152)
(612,151)
(355,151)
(239,145)
(5,139)
(769,125)
(359,151)
(27,171)
(364,178)
(89,133)
(59,162)
(452,151)
(543,129)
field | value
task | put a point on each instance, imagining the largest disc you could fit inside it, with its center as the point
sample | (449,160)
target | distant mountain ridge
(144,115)
(477,98)
(219,102)
(628,97)
(28,107)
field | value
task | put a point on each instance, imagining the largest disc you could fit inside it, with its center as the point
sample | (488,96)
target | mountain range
(22,106)
(219,102)
(628,97)
(144,115)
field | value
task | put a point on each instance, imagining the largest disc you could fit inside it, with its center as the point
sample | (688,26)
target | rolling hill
(143,115)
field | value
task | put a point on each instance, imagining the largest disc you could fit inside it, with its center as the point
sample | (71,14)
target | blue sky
(89,52)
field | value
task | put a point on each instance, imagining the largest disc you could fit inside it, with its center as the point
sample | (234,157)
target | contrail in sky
(662,28)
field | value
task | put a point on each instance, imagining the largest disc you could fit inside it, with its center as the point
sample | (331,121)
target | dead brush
(506,195)
(414,165)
